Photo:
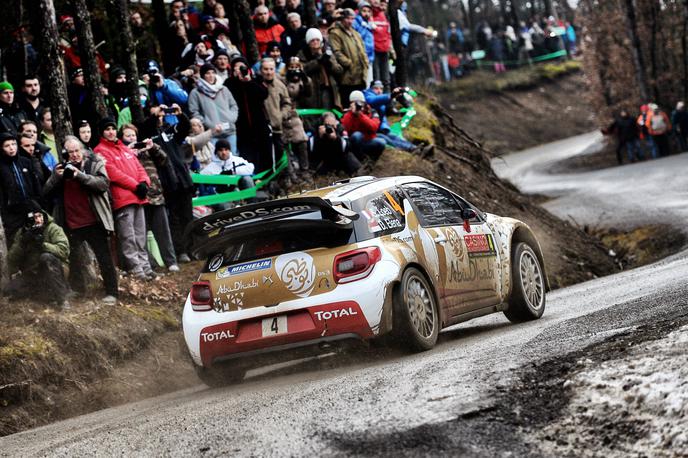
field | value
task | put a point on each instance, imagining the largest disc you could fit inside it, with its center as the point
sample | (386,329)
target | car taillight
(201,296)
(355,265)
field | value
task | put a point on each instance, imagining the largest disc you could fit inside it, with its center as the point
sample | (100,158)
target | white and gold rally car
(357,260)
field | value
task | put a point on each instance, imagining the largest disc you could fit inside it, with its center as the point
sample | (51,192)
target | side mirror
(468,214)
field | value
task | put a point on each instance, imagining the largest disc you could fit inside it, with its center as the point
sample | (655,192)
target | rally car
(361,259)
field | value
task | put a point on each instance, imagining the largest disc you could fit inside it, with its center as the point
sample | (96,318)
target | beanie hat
(238,58)
(205,68)
(152,67)
(76,72)
(220,52)
(270,46)
(105,123)
(363,4)
(377,83)
(356,96)
(117,71)
(222,144)
(313,34)
(6,136)
(6,86)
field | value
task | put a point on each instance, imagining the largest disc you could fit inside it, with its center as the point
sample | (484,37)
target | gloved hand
(141,190)
(33,237)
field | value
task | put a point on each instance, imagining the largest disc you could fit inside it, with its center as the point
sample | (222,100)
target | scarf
(208,89)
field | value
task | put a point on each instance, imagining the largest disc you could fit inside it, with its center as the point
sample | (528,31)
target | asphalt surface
(379,401)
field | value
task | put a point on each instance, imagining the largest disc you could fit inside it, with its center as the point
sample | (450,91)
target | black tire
(416,317)
(220,374)
(527,301)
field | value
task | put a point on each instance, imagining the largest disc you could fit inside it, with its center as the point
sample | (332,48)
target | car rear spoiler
(208,233)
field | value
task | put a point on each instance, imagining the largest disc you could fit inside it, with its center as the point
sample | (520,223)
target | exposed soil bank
(515,119)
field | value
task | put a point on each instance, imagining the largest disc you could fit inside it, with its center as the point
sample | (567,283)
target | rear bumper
(307,326)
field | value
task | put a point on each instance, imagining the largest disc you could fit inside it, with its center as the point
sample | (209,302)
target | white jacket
(235,164)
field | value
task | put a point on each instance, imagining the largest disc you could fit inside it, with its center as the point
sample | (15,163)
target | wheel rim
(531,280)
(420,306)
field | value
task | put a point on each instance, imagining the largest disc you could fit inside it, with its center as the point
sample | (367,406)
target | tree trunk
(400,74)
(653,49)
(234,26)
(309,13)
(87,52)
(129,61)
(515,18)
(549,11)
(4,265)
(53,70)
(160,24)
(243,11)
(684,47)
(471,20)
(504,12)
(636,50)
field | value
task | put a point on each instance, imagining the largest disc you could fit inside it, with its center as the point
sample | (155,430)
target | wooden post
(87,52)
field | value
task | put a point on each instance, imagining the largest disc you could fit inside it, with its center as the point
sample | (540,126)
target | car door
(465,278)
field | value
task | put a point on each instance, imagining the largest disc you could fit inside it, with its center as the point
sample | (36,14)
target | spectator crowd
(206,110)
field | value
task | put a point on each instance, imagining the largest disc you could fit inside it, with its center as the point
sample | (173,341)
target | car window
(436,206)
(381,214)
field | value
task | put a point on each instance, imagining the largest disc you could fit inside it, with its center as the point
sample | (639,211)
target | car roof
(357,187)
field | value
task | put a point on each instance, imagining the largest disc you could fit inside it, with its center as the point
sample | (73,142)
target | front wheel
(220,374)
(416,320)
(527,301)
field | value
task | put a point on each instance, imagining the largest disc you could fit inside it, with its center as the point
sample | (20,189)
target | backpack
(658,123)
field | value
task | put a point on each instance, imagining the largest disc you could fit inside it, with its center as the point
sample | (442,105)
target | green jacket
(24,254)
(350,52)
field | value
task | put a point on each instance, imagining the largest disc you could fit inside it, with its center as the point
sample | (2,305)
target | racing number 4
(274,325)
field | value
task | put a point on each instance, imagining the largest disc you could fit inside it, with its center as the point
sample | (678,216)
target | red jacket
(265,33)
(362,123)
(381,34)
(125,172)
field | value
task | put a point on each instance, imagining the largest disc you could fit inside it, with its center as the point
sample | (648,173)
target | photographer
(362,126)
(37,259)
(79,187)
(214,104)
(129,188)
(379,102)
(225,163)
(175,178)
(329,148)
(350,51)
(299,85)
(322,68)
(164,91)
(152,158)
(253,128)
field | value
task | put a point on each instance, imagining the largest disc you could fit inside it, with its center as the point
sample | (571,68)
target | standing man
(266,27)
(365,27)
(82,183)
(350,52)
(294,38)
(383,43)
(31,102)
(10,114)
(129,187)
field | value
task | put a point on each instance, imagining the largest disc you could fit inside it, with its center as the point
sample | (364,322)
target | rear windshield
(273,244)
(381,214)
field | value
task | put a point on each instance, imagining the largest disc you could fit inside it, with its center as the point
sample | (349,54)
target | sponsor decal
(238,286)
(234,300)
(455,244)
(243,268)
(267,279)
(325,281)
(322,316)
(215,262)
(219,335)
(474,273)
(479,245)
(251,214)
(297,272)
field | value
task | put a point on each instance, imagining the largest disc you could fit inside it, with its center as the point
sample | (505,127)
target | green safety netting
(263,178)
(550,56)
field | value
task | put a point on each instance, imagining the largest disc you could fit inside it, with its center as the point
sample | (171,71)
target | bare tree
(129,61)
(4,265)
(309,13)
(636,52)
(393,17)
(243,12)
(89,63)
(53,69)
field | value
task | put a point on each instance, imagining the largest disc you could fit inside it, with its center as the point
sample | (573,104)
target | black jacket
(10,118)
(18,185)
(174,173)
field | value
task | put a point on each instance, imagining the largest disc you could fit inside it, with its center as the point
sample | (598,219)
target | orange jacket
(665,118)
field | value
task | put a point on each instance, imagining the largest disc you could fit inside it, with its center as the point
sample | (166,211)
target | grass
(484,81)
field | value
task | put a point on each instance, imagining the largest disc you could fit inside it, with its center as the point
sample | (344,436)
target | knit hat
(238,58)
(6,86)
(271,45)
(76,72)
(222,144)
(363,4)
(347,12)
(313,34)
(116,71)
(105,123)
(220,52)
(6,136)
(152,67)
(205,68)
(356,96)
(377,83)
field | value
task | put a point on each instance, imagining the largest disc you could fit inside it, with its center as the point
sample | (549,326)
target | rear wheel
(416,319)
(527,301)
(220,374)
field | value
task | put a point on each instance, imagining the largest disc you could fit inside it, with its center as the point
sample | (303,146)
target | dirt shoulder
(521,108)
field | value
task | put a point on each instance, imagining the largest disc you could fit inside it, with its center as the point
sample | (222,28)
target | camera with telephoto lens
(359,106)
(329,130)
(243,69)
(404,98)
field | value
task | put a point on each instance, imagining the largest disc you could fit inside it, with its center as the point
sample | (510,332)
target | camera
(329,130)
(170,110)
(243,69)
(156,78)
(71,169)
(138,145)
(359,106)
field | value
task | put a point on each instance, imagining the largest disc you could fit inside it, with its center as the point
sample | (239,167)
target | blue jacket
(379,103)
(365,30)
(168,94)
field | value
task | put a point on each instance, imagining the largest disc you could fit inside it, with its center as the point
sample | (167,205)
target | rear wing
(208,234)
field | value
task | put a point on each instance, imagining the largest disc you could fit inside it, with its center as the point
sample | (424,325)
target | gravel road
(489,388)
